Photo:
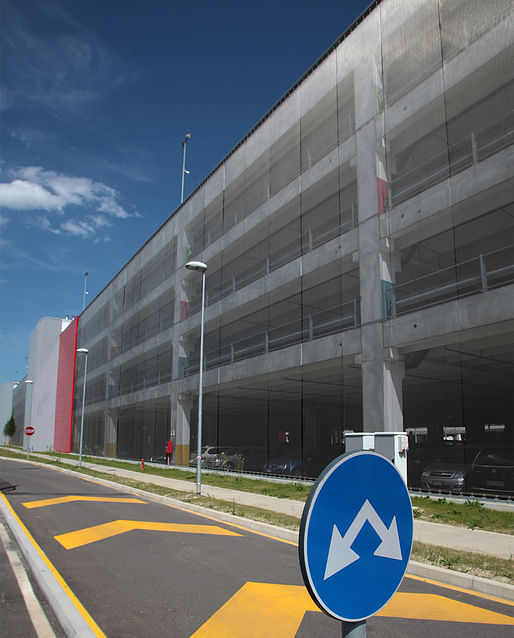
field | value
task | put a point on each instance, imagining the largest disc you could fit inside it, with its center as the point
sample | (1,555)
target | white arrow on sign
(341,554)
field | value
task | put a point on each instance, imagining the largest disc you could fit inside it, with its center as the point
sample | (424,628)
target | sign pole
(354,629)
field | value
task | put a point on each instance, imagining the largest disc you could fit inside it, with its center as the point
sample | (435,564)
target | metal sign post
(29,431)
(354,629)
(356,538)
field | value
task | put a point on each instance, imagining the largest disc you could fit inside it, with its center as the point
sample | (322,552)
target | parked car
(449,471)
(207,452)
(250,458)
(492,471)
(294,463)
(290,464)
(222,458)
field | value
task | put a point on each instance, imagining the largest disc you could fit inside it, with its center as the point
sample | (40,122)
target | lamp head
(196,265)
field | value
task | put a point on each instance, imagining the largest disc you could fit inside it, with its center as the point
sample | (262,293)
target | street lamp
(29,411)
(85,290)
(184,170)
(199,266)
(82,351)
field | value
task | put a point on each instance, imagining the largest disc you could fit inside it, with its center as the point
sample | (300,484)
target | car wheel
(229,466)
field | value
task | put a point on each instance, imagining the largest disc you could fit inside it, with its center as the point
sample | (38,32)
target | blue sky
(96,97)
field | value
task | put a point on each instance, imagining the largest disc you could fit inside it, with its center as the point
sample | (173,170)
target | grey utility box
(393,445)
(355,441)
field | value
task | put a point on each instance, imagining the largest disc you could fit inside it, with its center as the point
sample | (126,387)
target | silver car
(448,472)
(207,452)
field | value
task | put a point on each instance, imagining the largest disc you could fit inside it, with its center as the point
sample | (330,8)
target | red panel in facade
(65,387)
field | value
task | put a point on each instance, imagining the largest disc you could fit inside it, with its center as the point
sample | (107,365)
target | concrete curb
(70,618)
(421,570)
(459,579)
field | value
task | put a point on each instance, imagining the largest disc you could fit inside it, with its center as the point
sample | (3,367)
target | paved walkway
(469,540)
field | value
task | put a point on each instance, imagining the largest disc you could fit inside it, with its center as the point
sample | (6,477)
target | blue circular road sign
(356,535)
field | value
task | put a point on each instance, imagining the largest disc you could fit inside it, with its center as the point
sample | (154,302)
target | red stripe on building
(65,388)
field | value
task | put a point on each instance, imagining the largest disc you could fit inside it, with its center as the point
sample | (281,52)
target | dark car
(290,464)
(294,463)
(492,471)
(246,459)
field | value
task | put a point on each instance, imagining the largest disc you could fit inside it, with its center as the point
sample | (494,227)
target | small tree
(10,428)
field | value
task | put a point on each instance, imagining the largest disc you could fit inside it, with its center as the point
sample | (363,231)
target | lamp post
(184,170)
(85,290)
(199,266)
(28,412)
(85,352)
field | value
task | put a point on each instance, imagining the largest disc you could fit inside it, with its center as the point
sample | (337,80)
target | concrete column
(110,435)
(182,307)
(382,368)
(383,371)
(181,407)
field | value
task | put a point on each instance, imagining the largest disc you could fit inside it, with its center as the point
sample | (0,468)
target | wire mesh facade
(360,252)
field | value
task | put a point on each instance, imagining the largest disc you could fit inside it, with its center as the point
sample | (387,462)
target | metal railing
(484,272)
(336,225)
(312,326)
(475,147)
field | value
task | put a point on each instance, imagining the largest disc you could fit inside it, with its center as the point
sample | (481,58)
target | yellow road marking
(276,611)
(69,499)
(76,602)
(80,537)
(469,592)
(260,609)
(436,607)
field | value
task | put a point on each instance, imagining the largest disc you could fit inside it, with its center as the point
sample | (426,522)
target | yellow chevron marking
(80,537)
(276,611)
(69,499)
(435,607)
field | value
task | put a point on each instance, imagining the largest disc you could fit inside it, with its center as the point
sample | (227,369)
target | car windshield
(450,455)
(497,456)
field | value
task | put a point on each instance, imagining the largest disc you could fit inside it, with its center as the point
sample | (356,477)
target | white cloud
(99,221)
(89,207)
(23,195)
(80,228)
(36,189)
(45,224)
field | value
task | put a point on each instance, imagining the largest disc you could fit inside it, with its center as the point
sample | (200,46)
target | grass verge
(471,514)
(490,567)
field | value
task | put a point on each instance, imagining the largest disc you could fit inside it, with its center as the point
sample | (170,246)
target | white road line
(36,613)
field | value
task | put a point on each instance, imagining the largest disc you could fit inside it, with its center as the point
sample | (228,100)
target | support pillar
(181,408)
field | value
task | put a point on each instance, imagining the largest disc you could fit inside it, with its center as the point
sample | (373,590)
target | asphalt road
(146,568)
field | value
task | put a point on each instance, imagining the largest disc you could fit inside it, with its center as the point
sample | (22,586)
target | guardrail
(480,274)
(310,327)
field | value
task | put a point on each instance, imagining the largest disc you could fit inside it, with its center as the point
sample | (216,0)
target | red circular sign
(29,430)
